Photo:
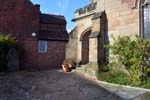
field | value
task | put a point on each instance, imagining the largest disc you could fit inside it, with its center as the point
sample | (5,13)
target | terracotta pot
(65,68)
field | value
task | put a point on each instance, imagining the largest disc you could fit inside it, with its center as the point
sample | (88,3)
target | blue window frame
(42,46)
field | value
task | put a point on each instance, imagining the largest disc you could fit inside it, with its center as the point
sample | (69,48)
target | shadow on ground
(50,85)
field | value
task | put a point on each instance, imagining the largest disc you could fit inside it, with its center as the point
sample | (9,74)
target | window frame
(45,46)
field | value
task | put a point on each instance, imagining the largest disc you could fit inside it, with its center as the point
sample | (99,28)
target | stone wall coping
(75,19)
(97,15)
(125,92)
(87,8)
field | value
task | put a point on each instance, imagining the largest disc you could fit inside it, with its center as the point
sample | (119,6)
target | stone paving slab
(50,85)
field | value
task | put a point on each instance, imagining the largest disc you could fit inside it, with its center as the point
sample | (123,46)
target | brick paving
(50,85)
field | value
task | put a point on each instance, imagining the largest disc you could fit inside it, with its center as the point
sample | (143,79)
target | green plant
(103,67)
(117,77)
(134,54)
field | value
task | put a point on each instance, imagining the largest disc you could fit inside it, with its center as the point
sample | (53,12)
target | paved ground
(50,85)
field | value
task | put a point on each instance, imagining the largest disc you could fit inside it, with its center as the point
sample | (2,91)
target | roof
(57,35)
(52,19)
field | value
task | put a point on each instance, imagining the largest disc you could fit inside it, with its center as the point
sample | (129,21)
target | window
(146,21)
(42,46)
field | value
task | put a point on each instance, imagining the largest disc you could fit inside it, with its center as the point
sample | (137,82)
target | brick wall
(29,54)
(54,56)
(52,59)
(17,17)
(21,18)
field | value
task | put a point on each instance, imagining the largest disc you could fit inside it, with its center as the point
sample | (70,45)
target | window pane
(147,21)
(42,46)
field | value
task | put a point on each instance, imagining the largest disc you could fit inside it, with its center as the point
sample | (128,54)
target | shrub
(134,54)
(117,77)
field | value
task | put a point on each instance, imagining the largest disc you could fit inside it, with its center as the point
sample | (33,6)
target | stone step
(87,70)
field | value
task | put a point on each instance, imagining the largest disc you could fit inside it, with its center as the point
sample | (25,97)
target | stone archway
(85,46)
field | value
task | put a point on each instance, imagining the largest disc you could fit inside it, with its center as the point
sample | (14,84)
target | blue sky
(63,7)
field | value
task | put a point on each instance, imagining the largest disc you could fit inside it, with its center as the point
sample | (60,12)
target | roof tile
(52,19)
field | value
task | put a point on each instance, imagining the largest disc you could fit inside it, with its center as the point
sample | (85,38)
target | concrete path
(50,85)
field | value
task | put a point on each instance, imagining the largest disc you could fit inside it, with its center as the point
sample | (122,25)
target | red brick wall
(52,59)
(30,53)
(21,19)
(17,17)
(54,56)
